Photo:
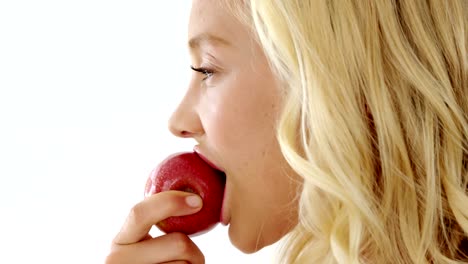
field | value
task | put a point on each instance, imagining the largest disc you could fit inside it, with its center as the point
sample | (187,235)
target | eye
(205,71)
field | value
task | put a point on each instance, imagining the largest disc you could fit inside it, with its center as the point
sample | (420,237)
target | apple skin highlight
(188,172)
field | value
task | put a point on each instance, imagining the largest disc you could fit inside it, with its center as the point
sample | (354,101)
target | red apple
(190,173)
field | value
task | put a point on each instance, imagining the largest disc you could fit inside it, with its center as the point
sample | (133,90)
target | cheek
(239,120)
(226,116)
(219,122)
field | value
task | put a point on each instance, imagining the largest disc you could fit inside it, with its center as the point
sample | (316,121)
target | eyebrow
(198,40)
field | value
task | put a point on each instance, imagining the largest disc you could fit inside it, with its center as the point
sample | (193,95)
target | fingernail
(193,201)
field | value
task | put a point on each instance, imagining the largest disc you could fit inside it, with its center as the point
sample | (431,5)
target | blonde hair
(375,122)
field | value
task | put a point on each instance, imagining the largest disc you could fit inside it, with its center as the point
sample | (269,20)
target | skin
(231,111)
(232,114)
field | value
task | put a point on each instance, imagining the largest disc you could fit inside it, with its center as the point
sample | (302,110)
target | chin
(249,244)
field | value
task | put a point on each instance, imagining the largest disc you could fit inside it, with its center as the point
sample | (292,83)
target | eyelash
(205,71)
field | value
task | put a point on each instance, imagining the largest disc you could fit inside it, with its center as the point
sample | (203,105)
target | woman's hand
(134,245)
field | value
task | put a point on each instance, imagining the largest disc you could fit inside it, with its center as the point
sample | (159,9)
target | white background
(86,89)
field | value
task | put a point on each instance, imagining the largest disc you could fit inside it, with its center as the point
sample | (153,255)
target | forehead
(211,23)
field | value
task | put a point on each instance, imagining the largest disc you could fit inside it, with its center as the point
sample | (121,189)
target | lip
(197,150)
(224,219)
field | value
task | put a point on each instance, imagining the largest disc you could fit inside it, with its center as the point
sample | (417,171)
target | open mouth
(222,217)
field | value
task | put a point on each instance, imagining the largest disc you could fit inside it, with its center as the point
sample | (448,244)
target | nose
(185,120)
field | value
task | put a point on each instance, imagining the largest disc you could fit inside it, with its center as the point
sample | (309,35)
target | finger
(170,248)
(154,209)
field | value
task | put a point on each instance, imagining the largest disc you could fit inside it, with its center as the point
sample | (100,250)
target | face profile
(231,109)
(340,126)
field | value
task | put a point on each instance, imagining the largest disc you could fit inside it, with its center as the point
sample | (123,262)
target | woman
(341,126)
